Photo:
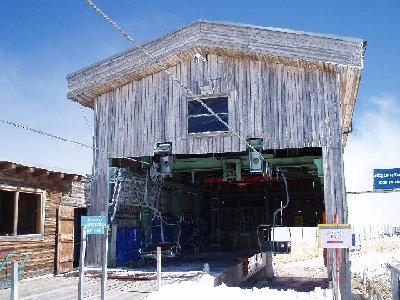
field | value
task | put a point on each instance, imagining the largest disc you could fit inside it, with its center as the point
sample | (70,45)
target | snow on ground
(370,259)
(204,290)
(284,265)
(374,264)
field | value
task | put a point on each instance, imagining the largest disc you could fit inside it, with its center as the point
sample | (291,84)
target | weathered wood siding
(41,251)
(276,45)
(327,53)
(293,89)
(287,106)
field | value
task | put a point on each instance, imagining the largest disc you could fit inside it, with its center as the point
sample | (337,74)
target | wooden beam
(56,175)
(40,172)
(71,177)
(24,170)
(7,165)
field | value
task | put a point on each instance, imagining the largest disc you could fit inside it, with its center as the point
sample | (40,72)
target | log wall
(58,191)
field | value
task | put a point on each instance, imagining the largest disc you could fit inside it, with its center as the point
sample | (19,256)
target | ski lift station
(207,137)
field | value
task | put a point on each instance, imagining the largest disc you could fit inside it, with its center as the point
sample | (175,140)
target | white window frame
(229,95)
(17,190)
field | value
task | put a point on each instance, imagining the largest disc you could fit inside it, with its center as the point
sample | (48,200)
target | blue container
(136,245)
(128,245)
(135,234)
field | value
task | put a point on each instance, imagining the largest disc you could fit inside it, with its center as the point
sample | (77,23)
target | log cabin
(39,213)
(212,128)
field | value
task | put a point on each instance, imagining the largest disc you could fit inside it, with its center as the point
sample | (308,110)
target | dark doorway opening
(78,212)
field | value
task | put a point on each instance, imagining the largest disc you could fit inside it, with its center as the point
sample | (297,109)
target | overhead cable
(68,140)
(87,121)
(374,192)
(164,69)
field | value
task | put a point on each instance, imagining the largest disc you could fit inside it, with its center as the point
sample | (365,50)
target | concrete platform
(230,268)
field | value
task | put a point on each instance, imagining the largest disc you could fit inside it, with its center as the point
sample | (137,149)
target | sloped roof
(343,55)
(278,45)
(36,170)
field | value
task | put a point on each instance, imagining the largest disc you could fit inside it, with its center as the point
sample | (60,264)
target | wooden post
(269,268)
(82,262)
(15,224)
(364,284)
(337,263)
(347,278)
(158,268)
(113,245)
(104,264)
(394,282)
(14,280)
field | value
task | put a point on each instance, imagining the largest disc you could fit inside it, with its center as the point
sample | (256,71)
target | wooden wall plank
(42,251)
(296,104)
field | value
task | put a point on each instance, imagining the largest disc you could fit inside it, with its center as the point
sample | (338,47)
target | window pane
(218,105)
(6,212)
(201,120)
(207,124)
(28,213)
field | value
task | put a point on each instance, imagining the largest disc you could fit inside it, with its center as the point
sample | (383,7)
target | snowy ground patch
(203,290)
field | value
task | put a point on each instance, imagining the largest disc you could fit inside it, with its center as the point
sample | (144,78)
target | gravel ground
(370,274)
(305,260)
(302,270)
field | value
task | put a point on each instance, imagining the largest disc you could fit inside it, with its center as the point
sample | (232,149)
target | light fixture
(254,146)
(255,162)
(166,165)
(164,151)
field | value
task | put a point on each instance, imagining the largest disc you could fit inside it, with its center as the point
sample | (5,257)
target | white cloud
(374,144)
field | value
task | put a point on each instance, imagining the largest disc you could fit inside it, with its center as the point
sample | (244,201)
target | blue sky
(42,41)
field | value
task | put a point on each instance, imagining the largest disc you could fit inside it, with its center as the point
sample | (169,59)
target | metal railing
(12,256)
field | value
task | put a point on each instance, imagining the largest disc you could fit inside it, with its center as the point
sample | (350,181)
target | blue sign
(386,179)
(94,224)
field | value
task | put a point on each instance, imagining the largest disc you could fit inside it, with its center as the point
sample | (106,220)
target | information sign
(334,236)
(94,224)
(386,179)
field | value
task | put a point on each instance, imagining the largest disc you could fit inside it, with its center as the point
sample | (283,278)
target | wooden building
(38,212)
(286,99)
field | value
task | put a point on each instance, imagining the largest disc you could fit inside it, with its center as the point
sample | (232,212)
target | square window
(27,220)
(200,120)
(6,213)
(28,214)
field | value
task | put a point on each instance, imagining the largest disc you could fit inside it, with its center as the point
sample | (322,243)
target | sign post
(335,236)
(104,265)
(158,268)
(82,262)
(14,280)
(93,225)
